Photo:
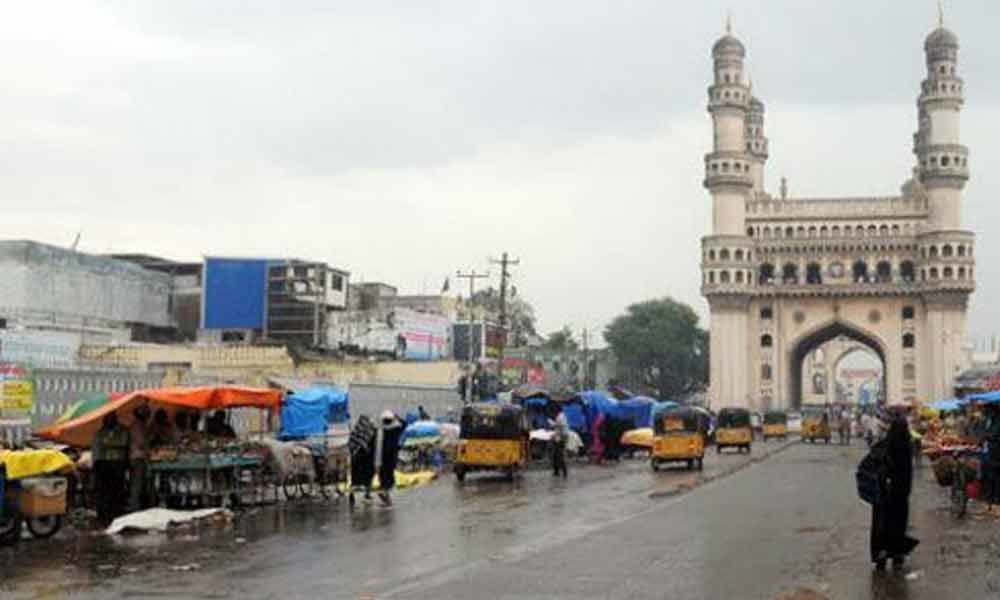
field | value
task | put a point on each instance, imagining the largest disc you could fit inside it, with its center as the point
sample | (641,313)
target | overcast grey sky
(403,140)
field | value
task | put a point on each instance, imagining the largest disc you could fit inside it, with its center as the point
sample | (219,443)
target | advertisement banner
(17,394)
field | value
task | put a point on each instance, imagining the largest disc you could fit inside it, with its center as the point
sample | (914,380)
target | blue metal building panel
(234,293)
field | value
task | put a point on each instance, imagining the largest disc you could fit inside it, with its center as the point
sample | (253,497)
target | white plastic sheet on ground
(159,519)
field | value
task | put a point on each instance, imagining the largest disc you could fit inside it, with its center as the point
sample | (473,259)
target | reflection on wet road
(790,521)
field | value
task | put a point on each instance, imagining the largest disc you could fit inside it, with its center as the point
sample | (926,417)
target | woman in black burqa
(891,513)
(362,447)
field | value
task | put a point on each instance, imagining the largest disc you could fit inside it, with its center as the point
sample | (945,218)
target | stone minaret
(946,260)
(940,154)
(756,142)
(728,271)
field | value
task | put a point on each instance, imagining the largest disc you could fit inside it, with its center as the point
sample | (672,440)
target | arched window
(923,253)
(860,272)
(961,272)
(711,255)
(836,231)
(895,230)
(909,340)
(824,231)
(909,312)
(749,231)
(790,273)
(766,313)
(934,273)
(946,251)
(765,372)
(859,230)
(961,250)
(814,273)
(883,271)
(883,230)
(739,254)
(739,276)
(949,273)
(933,253)
(909,372)
(907,271)
(766,275)
(711,277)
(724,254)
(872,230)
(812,231)
(767,233)
(789,232)
(724,277)
(800,231)
(766,341)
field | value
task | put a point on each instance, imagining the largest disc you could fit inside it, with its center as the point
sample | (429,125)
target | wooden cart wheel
(10,530)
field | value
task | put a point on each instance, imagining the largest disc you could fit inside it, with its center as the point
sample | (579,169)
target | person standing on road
(560,435)
(387,454)
(361,446)
(138,457)
(890,515)
(845,426)
(110,454)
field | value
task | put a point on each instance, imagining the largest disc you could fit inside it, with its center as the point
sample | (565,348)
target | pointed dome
(941,38)
(728,44)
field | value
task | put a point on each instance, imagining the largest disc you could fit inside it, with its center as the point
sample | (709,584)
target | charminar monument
(785,275)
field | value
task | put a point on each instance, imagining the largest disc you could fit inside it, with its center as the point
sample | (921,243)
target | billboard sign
(17,395)
(234,293)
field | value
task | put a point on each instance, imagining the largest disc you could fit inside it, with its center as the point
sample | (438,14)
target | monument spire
(729,21)
(940,13)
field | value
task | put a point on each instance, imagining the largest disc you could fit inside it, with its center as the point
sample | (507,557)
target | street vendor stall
(190,466)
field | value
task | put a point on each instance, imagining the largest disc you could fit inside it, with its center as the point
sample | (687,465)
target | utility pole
(472,276)
(586,360)
(504,262)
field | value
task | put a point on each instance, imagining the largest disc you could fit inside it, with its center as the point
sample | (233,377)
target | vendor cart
(205,479)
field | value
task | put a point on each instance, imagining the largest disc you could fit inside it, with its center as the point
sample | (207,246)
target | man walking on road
(560,435)
(110,454)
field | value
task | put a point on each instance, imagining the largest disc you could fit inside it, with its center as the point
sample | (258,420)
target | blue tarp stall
(310,411)
(985,398)
(421,429)
(639,410)
(947,405)
(576,418)
(598,403)
(537,408)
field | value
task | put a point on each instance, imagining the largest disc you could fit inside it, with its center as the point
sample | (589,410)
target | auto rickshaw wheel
(718,449)
(460,474)
(44,527)
(690,464)
(654,464)
(10,530)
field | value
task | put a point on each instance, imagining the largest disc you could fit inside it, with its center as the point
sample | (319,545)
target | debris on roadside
(162,519)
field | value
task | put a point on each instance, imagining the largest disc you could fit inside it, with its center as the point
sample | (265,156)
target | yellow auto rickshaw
(678,436)
(492,437)
(775,424)
(815,423)
(734,430)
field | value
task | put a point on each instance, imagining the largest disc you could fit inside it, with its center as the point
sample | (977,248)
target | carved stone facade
(783,276)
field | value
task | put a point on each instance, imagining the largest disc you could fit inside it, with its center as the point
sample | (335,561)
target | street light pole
(504,262)
(472,276)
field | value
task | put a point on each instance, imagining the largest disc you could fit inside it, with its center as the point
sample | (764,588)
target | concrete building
(45,288)
(783,276)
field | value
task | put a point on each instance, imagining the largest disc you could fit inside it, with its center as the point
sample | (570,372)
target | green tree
(659,344)
(520,313)
(561,341)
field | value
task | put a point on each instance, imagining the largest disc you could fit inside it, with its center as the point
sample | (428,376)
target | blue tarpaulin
(309,412)
(598,403)
(639,410)
(986,397)
(575,417)
(949,404)
(421,429)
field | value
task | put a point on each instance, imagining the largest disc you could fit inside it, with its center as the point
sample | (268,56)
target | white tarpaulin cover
(159,519)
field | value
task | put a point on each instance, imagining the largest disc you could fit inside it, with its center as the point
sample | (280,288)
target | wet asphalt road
(788,522)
